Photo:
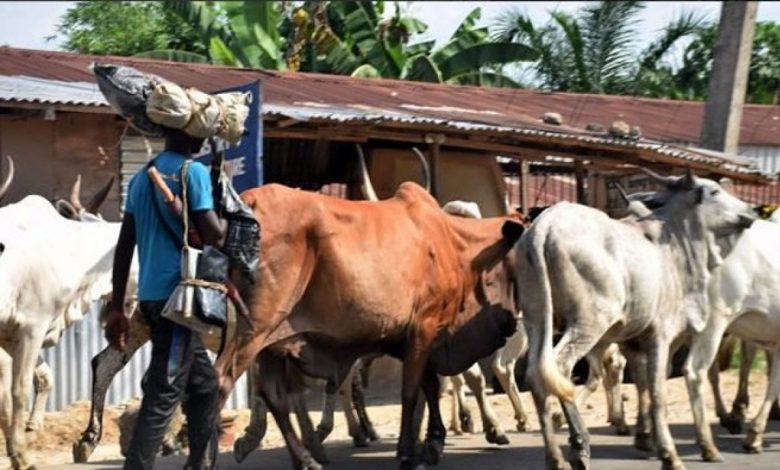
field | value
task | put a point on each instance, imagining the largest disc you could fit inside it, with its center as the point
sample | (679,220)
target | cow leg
(328,410)
(614,366)
(490,425)
(25,355)
(310,440)
(643,434)
(43,382)
(6,403)
(258,423)
(433,446)
(461,420)
(774,412)
(279,407)
(658,360)
(353,423)
(414,366)
(105,365)
(755,434)
(359,399)
(713,376)
(733,421)
(703,350)
(505,373)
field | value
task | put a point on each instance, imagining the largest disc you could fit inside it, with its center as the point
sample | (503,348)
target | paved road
(471,452)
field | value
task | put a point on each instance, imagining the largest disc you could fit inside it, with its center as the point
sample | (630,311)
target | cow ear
(699,195)
(688,180)
(512,230)
(66,209)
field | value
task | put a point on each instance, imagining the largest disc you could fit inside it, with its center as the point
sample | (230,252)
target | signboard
(245,160)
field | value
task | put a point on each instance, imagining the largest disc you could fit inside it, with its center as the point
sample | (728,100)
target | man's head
(181,142)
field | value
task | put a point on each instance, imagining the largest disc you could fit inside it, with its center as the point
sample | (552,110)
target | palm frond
(686,24)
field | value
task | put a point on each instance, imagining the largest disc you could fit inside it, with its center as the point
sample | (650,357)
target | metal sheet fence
(70,362)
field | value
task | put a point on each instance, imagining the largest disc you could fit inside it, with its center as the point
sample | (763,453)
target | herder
(179,361)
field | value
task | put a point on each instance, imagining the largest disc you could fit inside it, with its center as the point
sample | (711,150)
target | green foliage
(692,79)
(125,28)
(595,50)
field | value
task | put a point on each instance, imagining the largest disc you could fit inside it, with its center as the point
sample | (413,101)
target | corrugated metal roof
(39,90)
(332,98)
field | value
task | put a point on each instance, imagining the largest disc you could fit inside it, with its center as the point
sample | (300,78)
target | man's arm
(210,227)
(117,326)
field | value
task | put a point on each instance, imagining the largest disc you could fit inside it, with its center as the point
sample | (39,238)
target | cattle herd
(342,282)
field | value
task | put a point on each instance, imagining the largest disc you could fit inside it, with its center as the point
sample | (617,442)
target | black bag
(127,90)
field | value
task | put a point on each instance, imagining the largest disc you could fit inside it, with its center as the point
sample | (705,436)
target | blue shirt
(159,255)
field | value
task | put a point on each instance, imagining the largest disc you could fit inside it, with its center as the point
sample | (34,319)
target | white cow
(639,281)
(51,270)
(745,301)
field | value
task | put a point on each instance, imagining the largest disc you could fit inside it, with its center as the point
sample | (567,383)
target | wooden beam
(525,198)
(579,175)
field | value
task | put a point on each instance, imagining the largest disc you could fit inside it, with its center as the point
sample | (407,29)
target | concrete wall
(49,154)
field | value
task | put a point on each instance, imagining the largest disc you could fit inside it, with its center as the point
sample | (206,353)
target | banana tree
(468,58)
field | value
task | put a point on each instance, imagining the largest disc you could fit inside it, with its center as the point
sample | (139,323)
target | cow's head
(8,179)
(74,210)
(718,211)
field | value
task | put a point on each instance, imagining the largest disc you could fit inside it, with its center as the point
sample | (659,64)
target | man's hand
(117,329)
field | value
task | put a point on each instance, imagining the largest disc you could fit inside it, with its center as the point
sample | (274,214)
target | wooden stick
(158,181)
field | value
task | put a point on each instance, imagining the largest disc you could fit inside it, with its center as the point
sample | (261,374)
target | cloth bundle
(152,103)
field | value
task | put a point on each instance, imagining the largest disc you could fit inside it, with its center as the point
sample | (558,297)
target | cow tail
(552,378)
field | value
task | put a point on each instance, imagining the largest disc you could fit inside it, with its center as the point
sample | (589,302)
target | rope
(202,283)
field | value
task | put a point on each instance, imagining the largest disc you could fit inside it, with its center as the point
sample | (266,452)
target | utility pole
(728,81)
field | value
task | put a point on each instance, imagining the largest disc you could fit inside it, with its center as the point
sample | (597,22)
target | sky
(27,24)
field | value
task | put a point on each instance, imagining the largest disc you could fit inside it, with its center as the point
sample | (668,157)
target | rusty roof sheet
(305,96)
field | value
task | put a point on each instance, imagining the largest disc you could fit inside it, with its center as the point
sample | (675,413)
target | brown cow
(397,276)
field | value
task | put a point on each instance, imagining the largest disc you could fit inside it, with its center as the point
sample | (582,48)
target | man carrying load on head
(179,364)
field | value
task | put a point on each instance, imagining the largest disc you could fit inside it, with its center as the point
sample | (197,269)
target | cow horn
(426,171)
(665,180)
(688,180)
(75,195)
(622,192)
(100,197)
(368,187)
(8,179)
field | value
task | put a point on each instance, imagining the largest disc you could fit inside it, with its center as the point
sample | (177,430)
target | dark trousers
(179,366)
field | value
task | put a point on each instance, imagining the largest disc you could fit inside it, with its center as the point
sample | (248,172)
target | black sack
(242,243)
(127,90)
(212,265)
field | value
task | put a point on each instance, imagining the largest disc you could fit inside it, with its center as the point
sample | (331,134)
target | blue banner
(245,160)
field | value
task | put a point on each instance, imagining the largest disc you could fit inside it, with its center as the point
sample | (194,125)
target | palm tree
(595,50)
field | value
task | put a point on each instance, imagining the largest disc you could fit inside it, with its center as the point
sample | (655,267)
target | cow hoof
(431,451)
(733,423)
(410,464)
(622,429)
(317,451)
(558,421)
(456,430)
(310,464)
(522,425)
(672,464)
(19,462)
(360,440)
(372,434)
(466,423)
(496,436)
(82,450)
(244,446)
(711,455)
(752,443)
(644,442)
(323,432)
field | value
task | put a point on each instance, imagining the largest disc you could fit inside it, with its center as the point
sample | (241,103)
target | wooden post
(525,178)
(579,174)
(728,82)
(434,141)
